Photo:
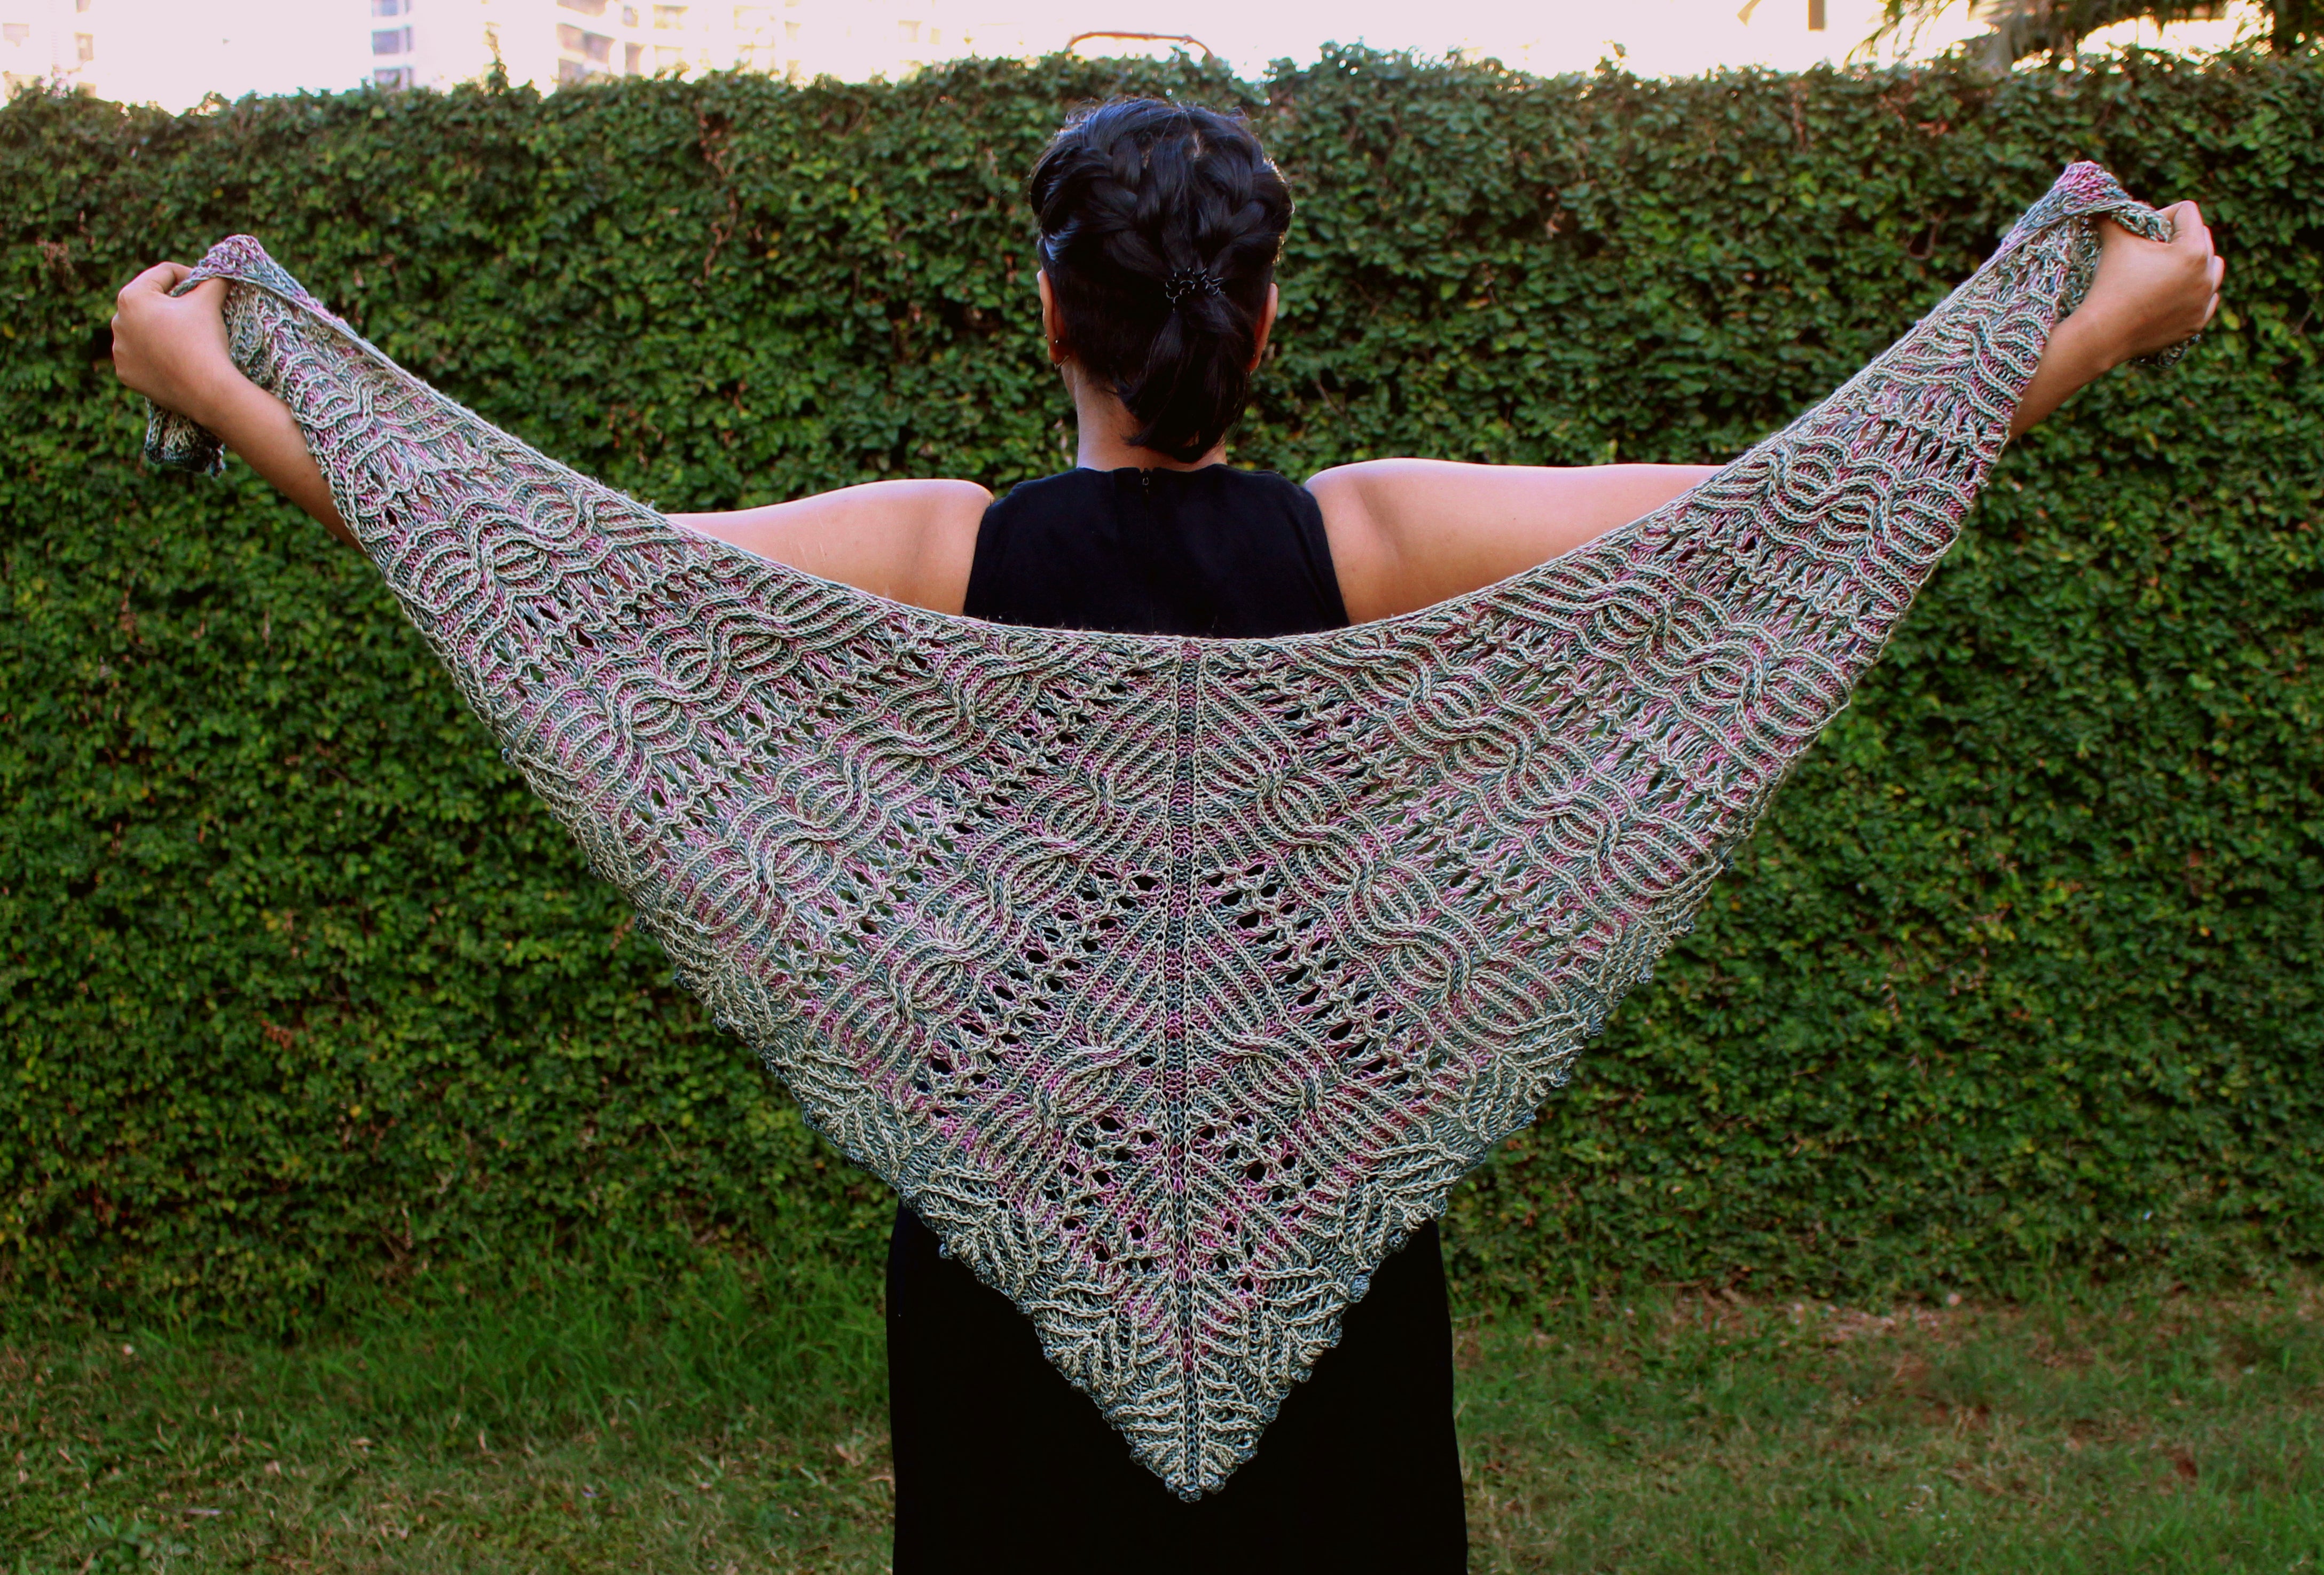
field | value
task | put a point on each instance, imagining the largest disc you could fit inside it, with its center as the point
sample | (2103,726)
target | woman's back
(1000,1462)
(1211,551)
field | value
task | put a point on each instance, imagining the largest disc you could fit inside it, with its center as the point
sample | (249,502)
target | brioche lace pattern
(1172,981)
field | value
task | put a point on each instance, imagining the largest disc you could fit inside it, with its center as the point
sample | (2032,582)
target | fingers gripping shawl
(1172,981)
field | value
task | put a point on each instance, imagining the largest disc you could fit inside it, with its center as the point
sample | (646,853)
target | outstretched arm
(909,540)
(906,541)
(1409,532)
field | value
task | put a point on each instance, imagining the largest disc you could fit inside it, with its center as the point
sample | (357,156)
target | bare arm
(910,540)
(1409,532)
(906,541)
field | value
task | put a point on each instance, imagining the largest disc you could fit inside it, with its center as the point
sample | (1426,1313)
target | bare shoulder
(907,540)
(1406,533)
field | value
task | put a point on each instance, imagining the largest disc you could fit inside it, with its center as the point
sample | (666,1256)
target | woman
(1159,228)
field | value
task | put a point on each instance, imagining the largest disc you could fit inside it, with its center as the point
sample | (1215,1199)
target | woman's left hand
(171,348)
(2145,297)
(2150,295)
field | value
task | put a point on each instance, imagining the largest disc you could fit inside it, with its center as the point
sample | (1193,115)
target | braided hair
(1160,224)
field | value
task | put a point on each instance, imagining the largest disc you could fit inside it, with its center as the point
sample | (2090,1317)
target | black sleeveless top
(1001,1463)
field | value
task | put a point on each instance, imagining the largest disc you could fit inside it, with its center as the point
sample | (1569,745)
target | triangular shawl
(1173,983)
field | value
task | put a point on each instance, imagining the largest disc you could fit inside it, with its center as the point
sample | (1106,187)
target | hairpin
(1187,281)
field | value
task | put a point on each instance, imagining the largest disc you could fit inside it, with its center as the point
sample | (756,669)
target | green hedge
(302,992)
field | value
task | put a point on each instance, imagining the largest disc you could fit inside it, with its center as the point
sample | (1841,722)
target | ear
(1053,321)
(1266,324)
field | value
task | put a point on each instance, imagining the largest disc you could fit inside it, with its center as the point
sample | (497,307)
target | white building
(554,42)
(47,41)
(174,51)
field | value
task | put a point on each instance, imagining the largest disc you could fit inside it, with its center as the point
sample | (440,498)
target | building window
(16,32)
(586,7)
(390,41)
(393,76)
(595,47)
(669,16)
(85,45)
(790,31)
(1815,15)
(668,60)
(571,71)
(634,59)
(629,16)
(80,5)
(390,7)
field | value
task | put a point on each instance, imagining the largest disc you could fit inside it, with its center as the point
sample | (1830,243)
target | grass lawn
(739,1428)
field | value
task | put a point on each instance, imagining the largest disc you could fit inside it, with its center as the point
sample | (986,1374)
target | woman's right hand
(171,348)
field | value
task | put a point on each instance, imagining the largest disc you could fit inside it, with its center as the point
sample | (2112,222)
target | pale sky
(172,51)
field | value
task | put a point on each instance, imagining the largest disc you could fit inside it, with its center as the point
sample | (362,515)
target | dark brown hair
(1160,224)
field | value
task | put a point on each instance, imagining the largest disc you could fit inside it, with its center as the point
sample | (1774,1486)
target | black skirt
(1001,1463)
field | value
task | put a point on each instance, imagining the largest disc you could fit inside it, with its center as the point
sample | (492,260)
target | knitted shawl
(1172,981)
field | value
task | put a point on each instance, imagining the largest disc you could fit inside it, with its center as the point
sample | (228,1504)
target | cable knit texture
(1172,981)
